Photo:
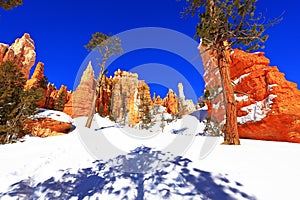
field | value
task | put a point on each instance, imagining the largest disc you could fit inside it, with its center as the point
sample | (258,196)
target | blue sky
(60,29)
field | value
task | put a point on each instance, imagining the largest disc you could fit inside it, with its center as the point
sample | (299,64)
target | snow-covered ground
(68,166)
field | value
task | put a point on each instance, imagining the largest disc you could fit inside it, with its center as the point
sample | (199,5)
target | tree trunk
(92,111)
(96,93)
(230,129)
(140,186)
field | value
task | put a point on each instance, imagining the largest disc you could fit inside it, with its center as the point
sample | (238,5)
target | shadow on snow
(148,173)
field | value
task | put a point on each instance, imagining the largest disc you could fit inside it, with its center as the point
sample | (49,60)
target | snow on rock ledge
(271,108)
(50,123)
(268,106)
(257,111)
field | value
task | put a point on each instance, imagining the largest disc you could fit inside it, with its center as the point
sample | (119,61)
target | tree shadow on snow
(200,114)
(105,127)
(141,174)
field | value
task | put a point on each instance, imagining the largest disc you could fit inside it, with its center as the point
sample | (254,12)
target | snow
(55,115)
(208,63)
(239,80)
(270,87)
(63,167)
(241,98)
(257,52)
(257,111)
(4,45)
(217,105)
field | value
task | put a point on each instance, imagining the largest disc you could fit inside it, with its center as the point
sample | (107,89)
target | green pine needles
(16,104)
(10,4)
(234,21)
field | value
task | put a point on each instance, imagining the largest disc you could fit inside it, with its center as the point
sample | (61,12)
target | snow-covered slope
(53,114)
(62,168)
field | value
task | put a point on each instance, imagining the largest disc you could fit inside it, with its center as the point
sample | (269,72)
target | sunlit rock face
(21,52)
(82,97)
(126,98)
(171,102)
(46,127)
(268,106)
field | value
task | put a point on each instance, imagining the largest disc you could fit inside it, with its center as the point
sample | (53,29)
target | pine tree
(10,4)
(225,24)
(59,104)
(16,104)
(163,123)
(106,46)
(144,107)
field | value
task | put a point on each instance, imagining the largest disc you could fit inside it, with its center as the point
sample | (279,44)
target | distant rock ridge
(121,98)
(268,106)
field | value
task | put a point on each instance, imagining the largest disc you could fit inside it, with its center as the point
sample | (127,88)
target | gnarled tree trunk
(230,128)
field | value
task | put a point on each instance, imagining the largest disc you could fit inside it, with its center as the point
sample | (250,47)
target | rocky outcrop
(158,100)
(125,101)
(37,76)
(38,81)
(133,109)
(271,108)
(268,105)
(21,52)
(45,127)
(68,108)
(105,92)
(50,95)
(171,102)
(186,106)
(3,50)
(82,97)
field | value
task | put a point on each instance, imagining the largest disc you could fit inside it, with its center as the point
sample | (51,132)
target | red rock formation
(171,102)
(37,76)
(49,102)
(36,80)
(52,95)
(213,84)
(133,107)
(83,95)
(3,50)
(68,109)
(158,101)
(280,99)
(104,101)
(21,52)
(268,106)
(45,127)
(125,85)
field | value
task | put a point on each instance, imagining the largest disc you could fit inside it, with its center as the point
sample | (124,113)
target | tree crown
(234,21)
(10,4)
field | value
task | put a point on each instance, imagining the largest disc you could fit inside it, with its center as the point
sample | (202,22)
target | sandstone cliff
(268,106)
(21,52)
(82,97)
(171,102)
(272,102)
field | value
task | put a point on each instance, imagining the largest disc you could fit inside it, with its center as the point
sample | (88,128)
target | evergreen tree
(106,46)
(16,104)
(43,83)
(59,104)
(144,107)
(225,24)
(10,4)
